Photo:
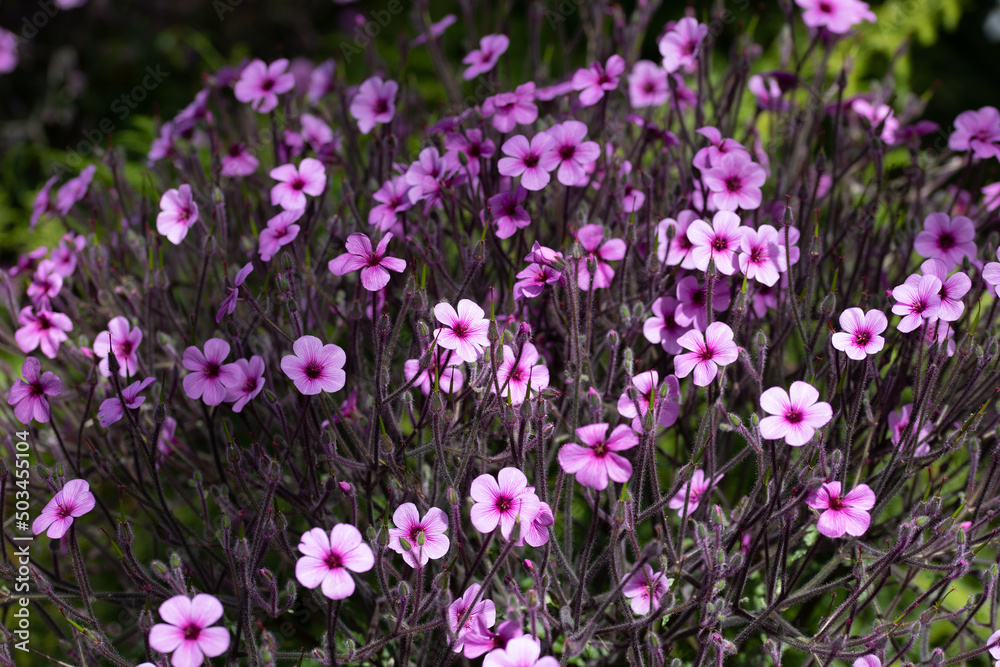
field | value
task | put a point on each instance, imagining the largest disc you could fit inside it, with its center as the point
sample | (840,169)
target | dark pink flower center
(698,298)
(733,184)
(862,338)
(333,561)
(566,152)
(706,354)
(757,255)
(313,370)
(125,348)
(250,385)
(600,450)
(836,502)
(517,375)
(504,504)
(720,243)
(191,632)
(297,183)
(946,241)
(793,416)
(460,329)
(825,7)
(380,106)
(267,84)
(43,322)
(235,150)
(212,370)
(649,87)
(531,160)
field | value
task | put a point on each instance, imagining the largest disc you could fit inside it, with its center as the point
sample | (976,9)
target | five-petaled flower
(520,373)
(719,241)
(425,538)
(70,502)
(111,409)
(686,500)
(532,162)
(523,651)
(45,330)
(860,336)
(842,514)
(178,213)
(595,460)
(485,58)
(647,392)
(309,178)
(502,501)
(315,367)
(329,558)
(464,331)
(795,414)
(188,632)
(595,264)
(709,350)
(260,84)
(124,342)
(374,264)
(646,588)
(209,376)
(375,102)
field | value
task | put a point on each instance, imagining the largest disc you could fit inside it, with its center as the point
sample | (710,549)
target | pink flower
(375,102)
(228,305)
(762,257)
(676,251)
(646,589)
(837,16)
(692,301)
(647,85)
(435,30)
(870,660)
(238,162)
(991,196)
(679,47)
(710,156)
(485,58)
(520,652)
(570,153)
(178,213)
(860,336)
(953,288)
(315,131)
(74,190)
(718,242)
(507,212)
(315,367)
(664,399)
(898,421)
(662,327)
(280,231)
(43,204)
(991,273)
(260,84)
(767,91)
(448,378)
(916,301)
(393,200)
(686,500)
(529,161)
(427,537)
(481,640)
(187,633)
(483,609)
(64,257)
(111,409)
(45,284)
(503,500)
(612,250)
(46,330)
(518,374)
(209,377)
(533,280)
(977,131)
(994,645)
(327,559)
(8,51)
(246,383)
(463,331)
(535,531)
(595,460)
(374,264)
(710,350)
(471,144)
(947,239)
(795,415)
(847,514)
(71,502)
(308,179)
(879,115)
(510,109)
(125,344)
(735,182)
(594,81)
(430,174)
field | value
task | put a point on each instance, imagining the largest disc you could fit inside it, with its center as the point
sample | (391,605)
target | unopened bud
(828,305)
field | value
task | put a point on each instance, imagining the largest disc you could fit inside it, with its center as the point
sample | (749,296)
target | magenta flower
(595,460)
(280,231)
(535,532)
(977,131)
(879,115)
(473,145)
(481,640)
(308,179)
(8,51)
(795,415)
(646,589)
(502,500)
(991,196)
(74,190)
(228,305)
(485,58)
(327,559)
(711,156)
(762,257)
(448,377)
(260,84)
(953,288)
(860,336)
(374,264)
(178,213)
(666,408)
(662,327)
(916,301)
(315,367)
(847,514)
(188,633)
(429,174)
(679,47)
(533,280)
(316,132)
(594,81)
(46,330)
(718,242)
(837,16)
(993,643)
(686,500)
(647,85)
(570,153)
(426,538)
(991,273)
(247,382)
(767,90)
(898,421)
(709,350)
(735,182)
(46,284)
(463,331)
(393,201)
(947,239)
(208,376)
(520,652)
(676,251)
(483,609)
(375,102)
(124,342)
(519,374)
(507,212)
(238,162)
(529,161)
(435,30)
(869,660)
(71,502)
(508,110)
(43,204)
(612,250)
(64,257)
(111,409)
(692,300)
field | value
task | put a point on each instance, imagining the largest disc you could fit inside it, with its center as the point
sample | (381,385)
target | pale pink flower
(247,383)
(847,514)
(427,538)
(519,374)
(646,588)
(464,331)
(647,85)
(994,645)
(947,239)
(45,329)
(485,58)
(533,280)
(125,343)
(953,288)
(686,500)
(111,409)
(467,605)
(374,264)
(598,253)
(735,182)
(441,373)
(393,201)
(711,155)
(375,102)
(27,395)
(481,640)
(596,460)
(70,502)
(238,162)
(991,273)
(502,501)
(315,131)
(178,213)
(315,367)
(977,131)
(795,414)
(860,336)
(837,16)
(209,376)
(709,350)
(762,257)
(718,241)
(676,251)
(508,110)
(917,301)
(662,327)
(260,84)
(679,47)
(295,183)
(529,161)
(594,81)
(188,633)
(535,531)
(328,559)
(520,652)
(664,399)
(570,153)
(867,661)
(280,231)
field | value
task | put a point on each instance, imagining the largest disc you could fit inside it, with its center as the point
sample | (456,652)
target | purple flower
(74,190)
(308,179)
(393,200)
(860,336)
(8,51)
(178,213)
(46,284)
(665,407)
(238,162)
(947,239)
(426,538)
(208,376)
(898,421)
(847,514)
(679,47)
(612,250)
(483,59)
(246,383)
(646,589)
(795,415)
(647,85)
(124,342)
(519,374)
(692,301)
(507,212)
(484,609)
(375,102)
(111,409)
(533,280)
(879,115)
(280,231)
(662,327)
(977,131)
(710,350)
(676,251)
(315,367)
(464,331)
(228,305)
(991,273)
(435,30)
(529,161)
(870,660)
(46,330)
(837,16)
(480,640)
(520,652)
(503,500)
(260,84)
(953,288)
(735,182)
(65,256)
(374,264)
(321,81)
(327,560)
(71,502)
(315,131)
(188,632)
(448,378)
(594,81)
(535,531)
(686,500)
(471,144)
(767,90)
(510,109)
(993,643)
(43,204)
(570,153)
(916,301)
(718,242)
(762,257)
(710,156)
(595,460)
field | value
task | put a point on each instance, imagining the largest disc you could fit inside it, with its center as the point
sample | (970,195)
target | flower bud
(828,305)
(282,283)
(735,420)
(405,543)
